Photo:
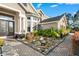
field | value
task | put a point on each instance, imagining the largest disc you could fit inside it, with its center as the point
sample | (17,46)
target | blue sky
(55,9)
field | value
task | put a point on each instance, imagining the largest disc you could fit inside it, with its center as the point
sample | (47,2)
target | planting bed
(43,44)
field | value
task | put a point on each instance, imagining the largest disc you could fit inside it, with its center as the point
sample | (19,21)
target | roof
(27,10)
(53,18)
(39,10)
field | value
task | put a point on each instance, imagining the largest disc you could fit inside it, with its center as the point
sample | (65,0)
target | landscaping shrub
(52,32)
(47,33)
(61,31)
(64,32)
(55,34)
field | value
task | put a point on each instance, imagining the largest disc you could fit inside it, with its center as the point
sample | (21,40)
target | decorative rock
(38,48)
(43,41)
(46,50)
(41,38)
(34,40)
(37,43)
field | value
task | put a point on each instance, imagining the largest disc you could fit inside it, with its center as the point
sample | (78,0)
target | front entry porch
(6,25)
(12,21)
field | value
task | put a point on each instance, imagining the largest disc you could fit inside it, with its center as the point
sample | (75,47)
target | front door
(10,28)
(6,25)
(3,27)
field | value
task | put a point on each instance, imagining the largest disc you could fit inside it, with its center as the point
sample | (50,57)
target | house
(18,18)
(42,14)
(33,18)
(12,19)
(55,22)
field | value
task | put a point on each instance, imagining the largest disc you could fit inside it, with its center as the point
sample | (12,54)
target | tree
(76,20)
(76,16)
(69,18)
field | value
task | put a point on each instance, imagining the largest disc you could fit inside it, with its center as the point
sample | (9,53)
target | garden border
(29,45)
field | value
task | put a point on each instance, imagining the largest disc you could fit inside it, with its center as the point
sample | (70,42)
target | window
(28,18)
(35,26)
(38,19)
(35,19)
(10,28)
(6,25)
(22,24)
(25,4)
(28,27)
(5,17)
(40,14)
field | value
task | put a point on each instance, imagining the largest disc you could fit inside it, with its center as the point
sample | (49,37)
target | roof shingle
(53,18)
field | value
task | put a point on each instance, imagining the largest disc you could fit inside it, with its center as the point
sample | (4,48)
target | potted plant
(29,37)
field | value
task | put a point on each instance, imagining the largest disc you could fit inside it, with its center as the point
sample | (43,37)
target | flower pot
(29,37)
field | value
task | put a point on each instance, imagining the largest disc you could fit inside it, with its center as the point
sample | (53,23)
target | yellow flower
(1,41)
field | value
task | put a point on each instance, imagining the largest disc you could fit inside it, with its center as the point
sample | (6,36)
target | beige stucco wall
(42,15)
(49,25)
(30,8)
(62,22)
(14,10)
(55,24)
(14,6)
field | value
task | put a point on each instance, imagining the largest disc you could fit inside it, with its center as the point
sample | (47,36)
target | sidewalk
(64,49)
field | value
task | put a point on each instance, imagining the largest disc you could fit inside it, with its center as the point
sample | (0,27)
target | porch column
(31,27)
(25,25)
(22,23)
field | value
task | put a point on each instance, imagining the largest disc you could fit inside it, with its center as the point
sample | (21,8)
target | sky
(55,9)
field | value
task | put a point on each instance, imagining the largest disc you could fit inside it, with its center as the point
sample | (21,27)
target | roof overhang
(49,22)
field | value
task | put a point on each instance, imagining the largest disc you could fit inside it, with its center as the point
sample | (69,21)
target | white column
(26,25)
(31,27)
(22,25)
(19,25)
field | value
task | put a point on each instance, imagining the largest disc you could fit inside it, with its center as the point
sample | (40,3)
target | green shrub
(61,31)
(35,33)
(47,33)
(69,30)
(54,33)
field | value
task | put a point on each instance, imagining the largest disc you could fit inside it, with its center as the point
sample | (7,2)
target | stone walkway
(15,48)
(64,49)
